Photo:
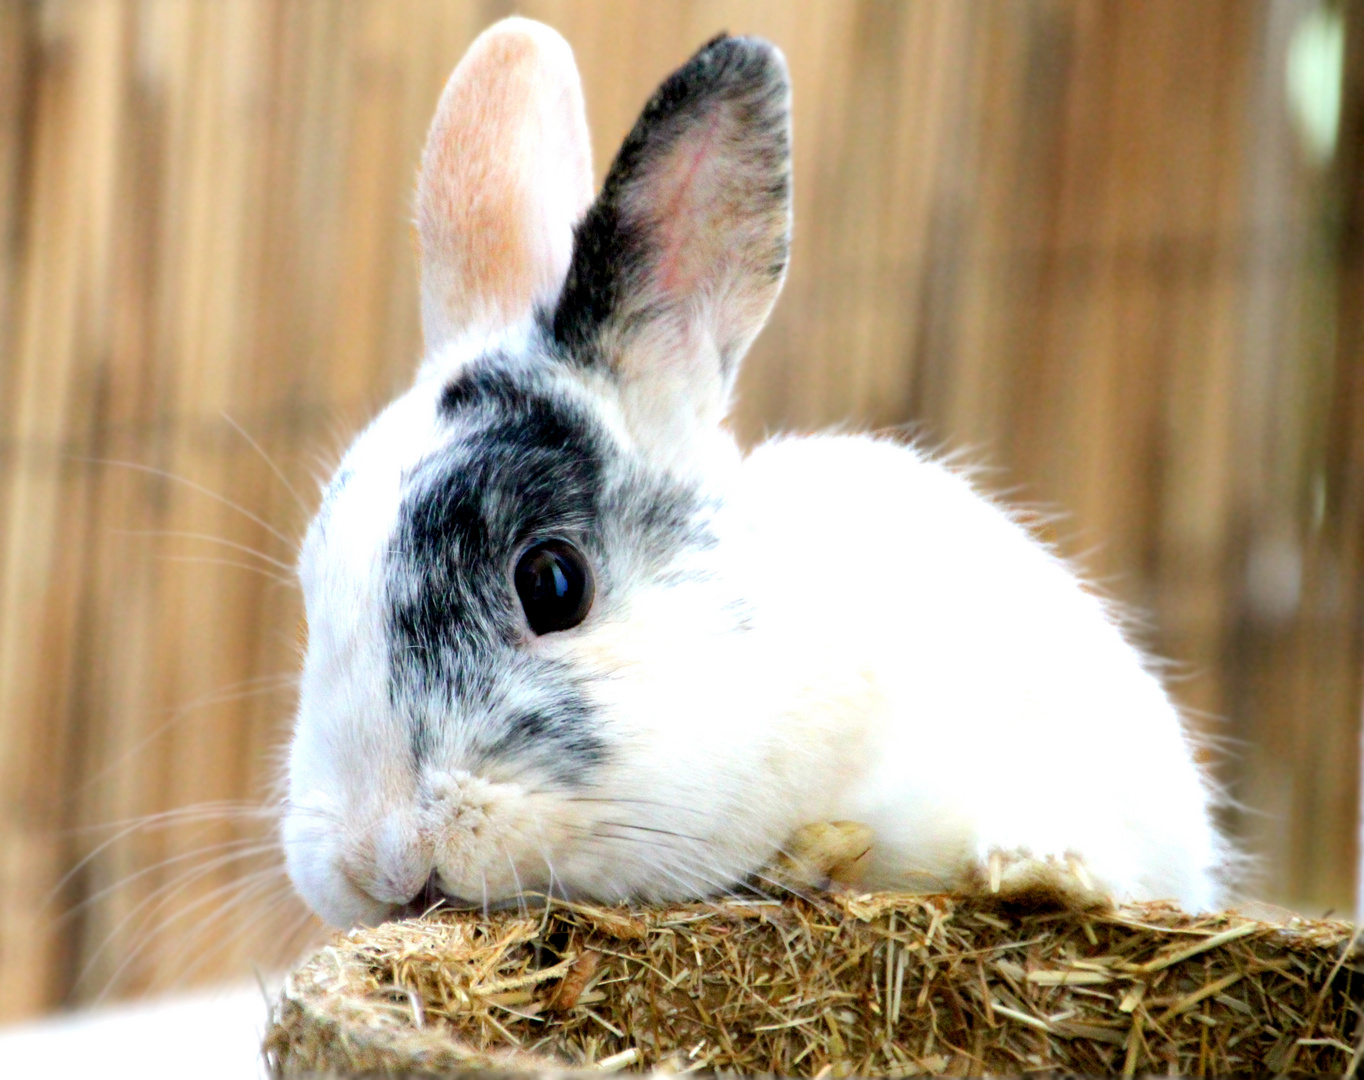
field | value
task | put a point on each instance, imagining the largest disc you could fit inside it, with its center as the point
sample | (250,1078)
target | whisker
(209,538)
(597,829)
(223,809)
(245,849)
(319,812)
(719,880)
(302,921)
(247,883)
(223,854)
(520,893)
(206,492)
(163,896)
(261,894)
(207,560)
(268,461)
(553,878)
(266,684)
(717,885)
(164,819)
(651,829)
(629,802)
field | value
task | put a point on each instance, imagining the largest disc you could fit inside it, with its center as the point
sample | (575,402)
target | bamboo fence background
(1084,240)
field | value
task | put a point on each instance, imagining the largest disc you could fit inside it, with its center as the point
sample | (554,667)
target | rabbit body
(978,698)
(565,636)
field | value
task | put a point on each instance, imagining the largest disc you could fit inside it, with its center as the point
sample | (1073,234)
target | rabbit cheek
(491,841)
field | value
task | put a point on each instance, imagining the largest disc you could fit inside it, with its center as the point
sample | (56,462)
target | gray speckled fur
(528,461)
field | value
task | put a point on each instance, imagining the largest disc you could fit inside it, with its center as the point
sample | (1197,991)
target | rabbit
(565,637)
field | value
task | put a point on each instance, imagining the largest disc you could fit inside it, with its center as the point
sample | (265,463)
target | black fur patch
(533,467)
(488,383)
(529,462)
(611,256)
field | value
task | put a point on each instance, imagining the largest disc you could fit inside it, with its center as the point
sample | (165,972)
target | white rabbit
(565,636)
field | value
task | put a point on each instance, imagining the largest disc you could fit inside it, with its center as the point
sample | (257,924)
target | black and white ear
(505,174)
(679,261)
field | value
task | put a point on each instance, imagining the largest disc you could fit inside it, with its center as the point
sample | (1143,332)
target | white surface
(206,1034)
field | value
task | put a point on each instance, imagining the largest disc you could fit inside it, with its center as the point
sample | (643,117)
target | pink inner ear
(683,185)
(506,172)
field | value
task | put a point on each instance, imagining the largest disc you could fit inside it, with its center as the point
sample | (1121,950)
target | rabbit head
(521,672)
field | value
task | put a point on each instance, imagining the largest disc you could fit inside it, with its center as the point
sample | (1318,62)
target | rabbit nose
(428,897)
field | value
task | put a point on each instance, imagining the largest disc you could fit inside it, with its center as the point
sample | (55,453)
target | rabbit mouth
(432,897)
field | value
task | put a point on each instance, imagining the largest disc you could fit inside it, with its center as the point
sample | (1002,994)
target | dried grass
(828,985)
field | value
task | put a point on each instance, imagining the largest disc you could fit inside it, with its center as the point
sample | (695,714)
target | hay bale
(832,985)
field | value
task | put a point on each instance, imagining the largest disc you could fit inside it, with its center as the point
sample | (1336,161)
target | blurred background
(1111,250)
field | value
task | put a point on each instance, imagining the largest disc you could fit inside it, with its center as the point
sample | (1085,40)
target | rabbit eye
(554,583)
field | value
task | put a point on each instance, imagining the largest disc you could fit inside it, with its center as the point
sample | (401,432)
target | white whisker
(165,819)
(268,461)
(244,849)
(207,560)
(265,684)
(206,492)
(246,883)
(208,538)
(166,893)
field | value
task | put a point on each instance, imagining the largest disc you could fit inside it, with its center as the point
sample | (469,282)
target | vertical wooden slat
(1345,456)
(1075,238)
(16,104)
(60,336)
(1292,676)
(1326,641)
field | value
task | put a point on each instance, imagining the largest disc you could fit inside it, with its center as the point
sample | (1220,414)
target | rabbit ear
(506,172)
(680,259)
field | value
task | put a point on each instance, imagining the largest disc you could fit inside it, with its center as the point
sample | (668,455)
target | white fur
(915,662)
(1003,708)
(869,639)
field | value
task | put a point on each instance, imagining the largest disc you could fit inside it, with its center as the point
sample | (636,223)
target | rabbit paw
(1021,879)
(825,855)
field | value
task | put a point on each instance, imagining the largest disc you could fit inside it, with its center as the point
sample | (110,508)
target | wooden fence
(1085,241)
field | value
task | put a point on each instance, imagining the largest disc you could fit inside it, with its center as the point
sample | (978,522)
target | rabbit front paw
(824,855)
(1019,878)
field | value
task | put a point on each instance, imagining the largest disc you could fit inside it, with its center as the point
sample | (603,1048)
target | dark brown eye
(554,583)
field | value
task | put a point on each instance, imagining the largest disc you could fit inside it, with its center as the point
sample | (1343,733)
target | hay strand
(882,984)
